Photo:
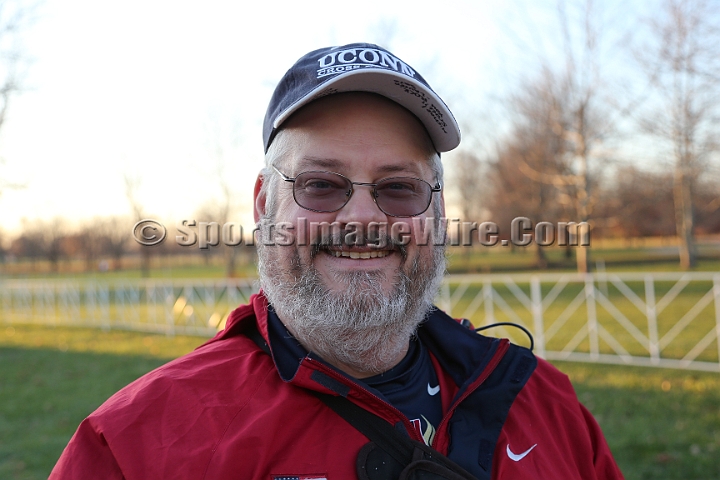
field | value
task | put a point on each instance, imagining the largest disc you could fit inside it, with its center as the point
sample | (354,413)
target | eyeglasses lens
(403,196)
(321,191)
(329,192)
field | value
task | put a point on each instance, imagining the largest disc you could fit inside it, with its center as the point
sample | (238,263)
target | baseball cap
(360,67)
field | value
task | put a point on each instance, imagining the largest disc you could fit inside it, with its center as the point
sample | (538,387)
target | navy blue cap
(360,67)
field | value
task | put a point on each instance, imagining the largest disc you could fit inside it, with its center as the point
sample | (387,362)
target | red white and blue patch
(299,477)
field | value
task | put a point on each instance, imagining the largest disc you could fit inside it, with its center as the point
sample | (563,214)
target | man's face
(365,138)
(351,296)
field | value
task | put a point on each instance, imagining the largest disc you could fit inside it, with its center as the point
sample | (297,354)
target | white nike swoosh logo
(432,391)
(517,457)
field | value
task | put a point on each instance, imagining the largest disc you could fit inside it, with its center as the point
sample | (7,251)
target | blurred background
(600,115)
(603,112)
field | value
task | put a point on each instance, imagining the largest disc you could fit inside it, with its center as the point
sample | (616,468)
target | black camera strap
(391,454)
(395,443)
(412,459)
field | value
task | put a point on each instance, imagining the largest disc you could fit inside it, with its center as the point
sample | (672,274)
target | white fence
(192,307)
(650,319)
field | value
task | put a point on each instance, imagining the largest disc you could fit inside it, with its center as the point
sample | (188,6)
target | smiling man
(355,305)
(340,367)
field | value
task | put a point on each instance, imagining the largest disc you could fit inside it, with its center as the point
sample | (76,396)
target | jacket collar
(461,352)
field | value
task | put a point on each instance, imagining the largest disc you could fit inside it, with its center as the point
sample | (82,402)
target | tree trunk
(117,262)
(145,262)
(540,257)
(230,262)
(684,219)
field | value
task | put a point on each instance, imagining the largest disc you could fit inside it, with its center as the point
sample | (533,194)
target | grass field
(53,377)
(659,423)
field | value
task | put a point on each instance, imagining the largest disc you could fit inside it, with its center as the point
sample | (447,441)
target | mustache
(376,240)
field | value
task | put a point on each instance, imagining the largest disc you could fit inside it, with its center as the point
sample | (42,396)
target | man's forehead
(344,113)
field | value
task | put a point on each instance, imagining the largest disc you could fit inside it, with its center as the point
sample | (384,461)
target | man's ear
(259,198)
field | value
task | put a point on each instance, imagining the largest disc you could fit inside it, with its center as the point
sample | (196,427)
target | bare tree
(85,242)
(221,210)
(468,179)
(90,243)
(15,18)
(132,185)
(529,172)
(572,92)
(29,244)
(636,202)
(468,182)
(224,147)
(682,63)
(707,199)
(113,233)
(4,246)
(40,239)
(54,233)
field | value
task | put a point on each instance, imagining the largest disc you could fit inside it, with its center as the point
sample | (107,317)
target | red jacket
(224,411)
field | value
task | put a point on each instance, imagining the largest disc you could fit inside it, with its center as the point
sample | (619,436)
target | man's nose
(361,207)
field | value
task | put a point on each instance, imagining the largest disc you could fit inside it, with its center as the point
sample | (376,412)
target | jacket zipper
(494,361)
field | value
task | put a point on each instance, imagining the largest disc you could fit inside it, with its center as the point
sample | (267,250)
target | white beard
(361,326)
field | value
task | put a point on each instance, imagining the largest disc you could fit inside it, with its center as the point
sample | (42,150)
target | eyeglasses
(326,192)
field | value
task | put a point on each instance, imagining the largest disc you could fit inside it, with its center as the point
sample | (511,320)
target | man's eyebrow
(403,167)
(319,162)
(333,163)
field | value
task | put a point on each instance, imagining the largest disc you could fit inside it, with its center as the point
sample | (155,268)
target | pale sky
(174,92)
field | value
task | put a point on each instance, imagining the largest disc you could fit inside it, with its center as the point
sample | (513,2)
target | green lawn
(51,378)
(659,423)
